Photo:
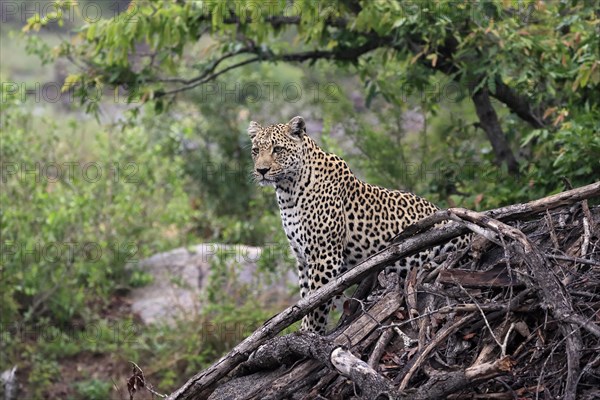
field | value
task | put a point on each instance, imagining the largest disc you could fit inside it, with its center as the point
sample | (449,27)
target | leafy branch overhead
(538,61)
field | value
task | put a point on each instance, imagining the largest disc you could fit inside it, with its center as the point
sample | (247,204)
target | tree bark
(488,119)
(551,290)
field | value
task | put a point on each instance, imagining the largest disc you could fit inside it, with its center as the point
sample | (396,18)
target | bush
(78,206)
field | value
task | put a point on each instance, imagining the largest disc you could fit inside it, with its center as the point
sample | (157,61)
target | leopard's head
(277,150)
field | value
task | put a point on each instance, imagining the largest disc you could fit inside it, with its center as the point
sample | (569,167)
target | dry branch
(371,384)
(447,317)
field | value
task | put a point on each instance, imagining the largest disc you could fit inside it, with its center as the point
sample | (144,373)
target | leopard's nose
(262,171)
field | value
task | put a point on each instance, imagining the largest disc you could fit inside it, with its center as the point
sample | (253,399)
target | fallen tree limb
(555,296)
(439,386)
(328,353)
(202,384)
(279,351)
(511,212)
(370,383)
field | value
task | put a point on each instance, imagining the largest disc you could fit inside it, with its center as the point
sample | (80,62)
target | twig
(137,381)
(406,340)
(590,364)
(574,259)
(587,232)
(206,79)
(439,338)
(208,71)
(487,323)
(551,229)
(380,346)
(505,343)
(364,309)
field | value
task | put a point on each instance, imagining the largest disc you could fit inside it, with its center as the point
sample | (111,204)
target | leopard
(332,219)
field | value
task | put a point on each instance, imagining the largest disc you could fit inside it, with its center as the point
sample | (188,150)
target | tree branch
(207,71)
(199,80)
(201,384)
(349,54)
(491,125)
(518,104)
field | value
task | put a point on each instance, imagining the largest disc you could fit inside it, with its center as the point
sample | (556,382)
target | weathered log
(200,385)
(440,385)
(498,276)
(294,381)
(370,384)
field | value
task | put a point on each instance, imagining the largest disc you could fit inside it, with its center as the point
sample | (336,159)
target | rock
(10,386)
(181,275)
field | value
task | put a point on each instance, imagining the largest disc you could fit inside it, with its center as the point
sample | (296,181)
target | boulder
(181,275)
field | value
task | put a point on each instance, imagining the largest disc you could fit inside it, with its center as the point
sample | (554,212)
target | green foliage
(431,53)
(43,372)
(236,309)
(230,301)
(92,207)
(94,389)
(570,152)
(147,205)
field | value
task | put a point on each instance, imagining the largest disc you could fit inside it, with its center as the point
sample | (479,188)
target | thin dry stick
(551,230)
(505,343)
(380,346)
(487,323)
(574,259)
(439,338)
(587,232)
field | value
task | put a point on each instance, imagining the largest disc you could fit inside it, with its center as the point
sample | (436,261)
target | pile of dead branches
(519,319)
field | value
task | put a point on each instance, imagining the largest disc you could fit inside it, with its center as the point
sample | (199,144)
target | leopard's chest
(310,216)
(294,222)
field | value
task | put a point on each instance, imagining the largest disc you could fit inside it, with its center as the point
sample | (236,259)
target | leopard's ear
(253,129)
(297,127)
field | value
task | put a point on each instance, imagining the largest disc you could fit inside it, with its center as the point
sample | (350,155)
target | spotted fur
(332,220)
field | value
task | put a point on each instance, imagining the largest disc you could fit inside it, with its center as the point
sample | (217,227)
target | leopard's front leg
(318,274)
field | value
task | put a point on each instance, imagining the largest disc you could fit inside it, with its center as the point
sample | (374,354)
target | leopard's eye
(254,151)
(277,149)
